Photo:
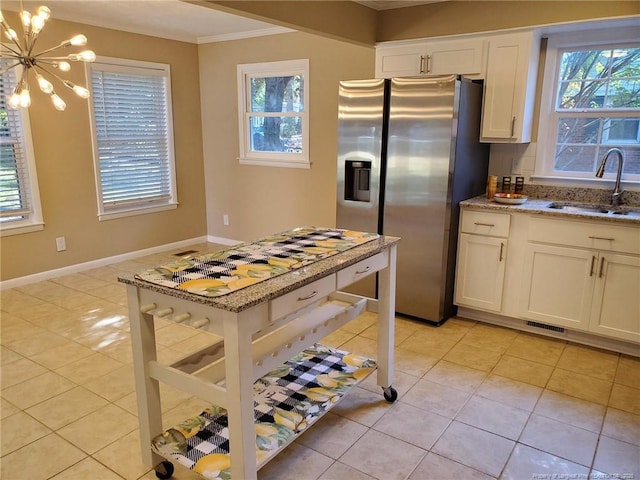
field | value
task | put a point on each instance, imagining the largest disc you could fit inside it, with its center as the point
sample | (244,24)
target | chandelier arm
(62,45)
(33,43)
(6,45)
(40,67)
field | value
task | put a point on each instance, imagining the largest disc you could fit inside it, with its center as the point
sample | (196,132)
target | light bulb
(78,41)
(45,85)
(37,22)
(26,19)
(11,34)
(87,56)
(81,91)
(14,101)
(58,102)
(25,98)
(62,66)
(44,13)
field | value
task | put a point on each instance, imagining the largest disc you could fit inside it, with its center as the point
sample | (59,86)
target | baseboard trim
(223,240)
(78,267)
(592,340)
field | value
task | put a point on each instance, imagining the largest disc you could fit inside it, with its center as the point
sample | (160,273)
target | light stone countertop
(250,296)
(541,207)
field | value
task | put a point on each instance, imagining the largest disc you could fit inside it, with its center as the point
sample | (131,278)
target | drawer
(485,223)
(362,269)
(594,235)
(301,297)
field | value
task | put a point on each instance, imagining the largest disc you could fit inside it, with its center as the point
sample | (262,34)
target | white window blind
(133,142)
(19,199)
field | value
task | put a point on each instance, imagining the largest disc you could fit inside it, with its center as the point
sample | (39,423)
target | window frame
(271,69)
(141,207)
(33,220)
(548,116)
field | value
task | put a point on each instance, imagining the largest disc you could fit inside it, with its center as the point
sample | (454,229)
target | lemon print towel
(229,270)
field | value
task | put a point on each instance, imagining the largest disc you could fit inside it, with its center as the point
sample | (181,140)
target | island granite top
(252,295)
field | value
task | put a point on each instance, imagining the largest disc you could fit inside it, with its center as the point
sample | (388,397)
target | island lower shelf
(287,400)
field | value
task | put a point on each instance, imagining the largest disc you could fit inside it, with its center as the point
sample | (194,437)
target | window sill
(7,230)
(582,182)
(130,212)
(274,163)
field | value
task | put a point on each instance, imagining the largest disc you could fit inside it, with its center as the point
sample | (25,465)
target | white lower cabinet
(578,274)
(482,254)
(615,310)
(588,289)
(557,285)
(480,277)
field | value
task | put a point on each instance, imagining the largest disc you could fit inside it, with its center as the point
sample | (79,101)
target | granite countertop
(541,207)
(250,296)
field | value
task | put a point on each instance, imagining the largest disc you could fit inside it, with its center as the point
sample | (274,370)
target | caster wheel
(164,471)
(390,394)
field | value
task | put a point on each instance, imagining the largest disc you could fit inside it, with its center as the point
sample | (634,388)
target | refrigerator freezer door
(360,131)
(417,198)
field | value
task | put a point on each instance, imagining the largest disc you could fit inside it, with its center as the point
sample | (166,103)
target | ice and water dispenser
(357,180)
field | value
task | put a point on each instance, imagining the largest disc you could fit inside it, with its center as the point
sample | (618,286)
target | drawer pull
(313,294)
(360,272)
(601,267)
(593,261)
(592,237)
(148,307)
(421,64)
(480,224)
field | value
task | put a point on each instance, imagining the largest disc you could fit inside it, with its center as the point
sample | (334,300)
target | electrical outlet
(517,165)
(61,244)
(225,219)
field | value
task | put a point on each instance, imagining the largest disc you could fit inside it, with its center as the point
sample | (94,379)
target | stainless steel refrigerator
(408,153)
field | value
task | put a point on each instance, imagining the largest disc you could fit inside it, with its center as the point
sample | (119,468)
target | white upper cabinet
(508,63)
(431,57)
(509,90)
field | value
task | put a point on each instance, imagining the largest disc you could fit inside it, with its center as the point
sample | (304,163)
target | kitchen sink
(602,209)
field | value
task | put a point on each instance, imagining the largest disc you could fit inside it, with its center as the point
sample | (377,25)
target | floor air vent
(185,253)
(546,327)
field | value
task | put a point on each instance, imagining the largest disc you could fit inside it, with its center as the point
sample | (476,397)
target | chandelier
(19,52)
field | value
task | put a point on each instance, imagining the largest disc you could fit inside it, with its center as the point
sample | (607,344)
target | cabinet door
(510,88)
(402,61)
(616,299)
(557,285)
(451,57)
(480,272)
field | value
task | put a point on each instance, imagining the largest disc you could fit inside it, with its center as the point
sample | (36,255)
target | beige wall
(62,144)
(454,17)
(262,200)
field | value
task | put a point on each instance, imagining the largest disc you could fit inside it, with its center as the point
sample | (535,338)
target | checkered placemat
(286,401)
(223,272)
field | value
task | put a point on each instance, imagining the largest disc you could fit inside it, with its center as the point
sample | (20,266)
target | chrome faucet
(615,195)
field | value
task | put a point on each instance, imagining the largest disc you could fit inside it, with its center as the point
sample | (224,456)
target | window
(132,128)
(592,92)
(19,198)
(273,113)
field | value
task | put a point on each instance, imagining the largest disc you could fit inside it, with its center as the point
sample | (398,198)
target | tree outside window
(273,113)
(597,107)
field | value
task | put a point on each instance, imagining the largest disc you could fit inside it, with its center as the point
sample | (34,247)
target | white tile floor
(476,401)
